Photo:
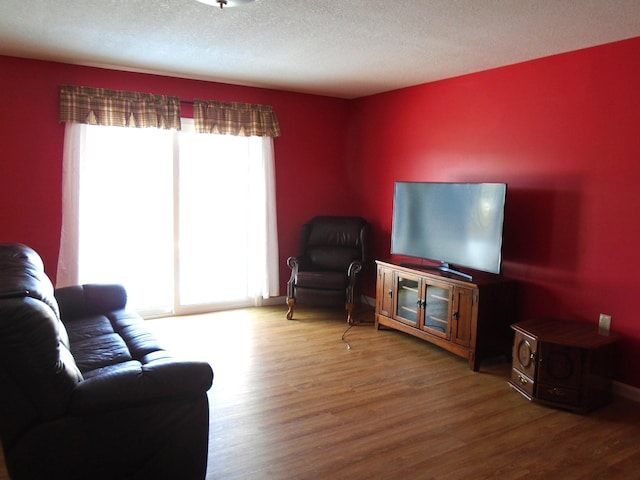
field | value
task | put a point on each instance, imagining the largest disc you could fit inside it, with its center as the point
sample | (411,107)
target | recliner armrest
(299,263)
(134,384)
(355,267)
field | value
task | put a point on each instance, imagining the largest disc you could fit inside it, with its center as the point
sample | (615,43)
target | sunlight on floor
(217,342)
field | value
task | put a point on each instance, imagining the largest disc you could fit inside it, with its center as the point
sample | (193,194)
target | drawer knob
(523,380)
(557,392)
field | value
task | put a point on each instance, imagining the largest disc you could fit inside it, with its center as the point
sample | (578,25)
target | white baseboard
(273,301)
(370,301)
(626,391)
(282,300)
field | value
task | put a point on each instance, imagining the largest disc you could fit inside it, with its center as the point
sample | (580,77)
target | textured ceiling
(347,48)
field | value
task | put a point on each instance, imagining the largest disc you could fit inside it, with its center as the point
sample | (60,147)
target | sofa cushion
(89,327)
(139,340)
(321,280)
(333,258)
(100,351)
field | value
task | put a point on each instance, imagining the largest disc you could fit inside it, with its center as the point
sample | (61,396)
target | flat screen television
(456,224)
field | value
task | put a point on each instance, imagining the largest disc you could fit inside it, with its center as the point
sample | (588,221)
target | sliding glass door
(179,218)
(214,205)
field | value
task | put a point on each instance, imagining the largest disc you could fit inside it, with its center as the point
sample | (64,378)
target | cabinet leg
(290,303)
(474,363)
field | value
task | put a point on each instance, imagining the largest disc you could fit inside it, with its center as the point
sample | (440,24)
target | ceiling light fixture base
(226,3)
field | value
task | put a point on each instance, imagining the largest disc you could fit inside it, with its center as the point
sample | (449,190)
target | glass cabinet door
(409,301)
(437,310)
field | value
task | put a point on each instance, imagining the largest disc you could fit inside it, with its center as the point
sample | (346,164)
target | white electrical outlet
(604,325)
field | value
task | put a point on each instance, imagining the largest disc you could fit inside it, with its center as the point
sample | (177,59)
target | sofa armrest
(299,263)
(91,299)
(135,384)
(293,263)
(296,263)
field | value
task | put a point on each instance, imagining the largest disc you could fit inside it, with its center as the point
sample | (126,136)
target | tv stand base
(470,319)
(443,267)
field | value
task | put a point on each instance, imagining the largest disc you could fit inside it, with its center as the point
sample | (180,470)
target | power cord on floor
(366,317)
(344,334)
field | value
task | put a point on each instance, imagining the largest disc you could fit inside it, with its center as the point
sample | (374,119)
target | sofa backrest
(37,371)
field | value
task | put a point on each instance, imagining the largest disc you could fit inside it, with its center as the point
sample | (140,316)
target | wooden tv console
(470,318)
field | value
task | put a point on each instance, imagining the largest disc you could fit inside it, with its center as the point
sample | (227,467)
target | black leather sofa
(86,392)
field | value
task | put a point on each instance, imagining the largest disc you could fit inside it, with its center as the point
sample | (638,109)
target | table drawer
(522,381)
(553,393)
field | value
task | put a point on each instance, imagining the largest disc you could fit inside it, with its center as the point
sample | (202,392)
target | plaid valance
(100,106)
(240,119)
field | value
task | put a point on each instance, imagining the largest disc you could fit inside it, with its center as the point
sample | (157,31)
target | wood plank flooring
(291,401)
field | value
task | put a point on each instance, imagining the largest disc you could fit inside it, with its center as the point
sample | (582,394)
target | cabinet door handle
(456,315)
(390,293)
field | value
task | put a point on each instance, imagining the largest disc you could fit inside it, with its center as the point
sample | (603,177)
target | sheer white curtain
(74,143)
(117,212)
(227,218)
(174,216)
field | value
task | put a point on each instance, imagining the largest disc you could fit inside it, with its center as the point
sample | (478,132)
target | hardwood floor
(291,401)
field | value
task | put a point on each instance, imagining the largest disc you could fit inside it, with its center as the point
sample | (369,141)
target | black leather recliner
(86,391)
(333,252)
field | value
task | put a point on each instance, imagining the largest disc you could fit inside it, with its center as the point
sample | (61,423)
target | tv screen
(454,223)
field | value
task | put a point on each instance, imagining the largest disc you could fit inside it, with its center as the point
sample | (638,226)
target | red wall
(563,132)
(310,155)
